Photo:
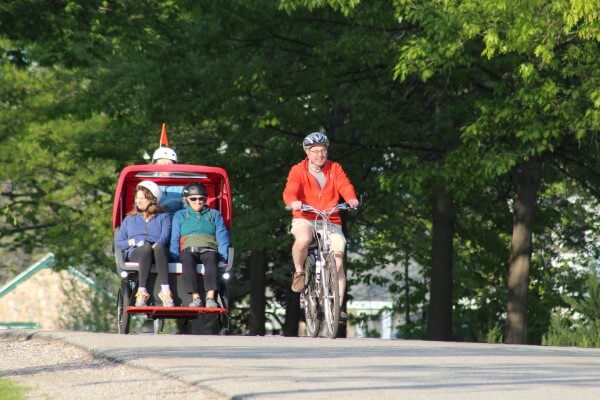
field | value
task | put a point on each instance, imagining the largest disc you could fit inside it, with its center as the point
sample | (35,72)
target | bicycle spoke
(311,299)
(331,300)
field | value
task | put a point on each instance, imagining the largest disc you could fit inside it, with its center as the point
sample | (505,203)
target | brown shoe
(298,282)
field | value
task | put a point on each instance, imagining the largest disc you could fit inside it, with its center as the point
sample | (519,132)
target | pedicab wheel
(331,298)
(311,300)
(225,332)
(159,324)
(123,317)
(224,327)
(183,326)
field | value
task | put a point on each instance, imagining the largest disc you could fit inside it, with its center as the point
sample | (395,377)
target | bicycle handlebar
(308,208)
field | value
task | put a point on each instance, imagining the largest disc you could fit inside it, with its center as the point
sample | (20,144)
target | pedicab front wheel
(159,324)
(123,317)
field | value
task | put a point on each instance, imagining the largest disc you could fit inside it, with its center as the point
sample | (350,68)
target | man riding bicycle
(318,182)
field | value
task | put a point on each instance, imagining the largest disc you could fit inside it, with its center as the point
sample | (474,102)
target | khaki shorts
(338,241)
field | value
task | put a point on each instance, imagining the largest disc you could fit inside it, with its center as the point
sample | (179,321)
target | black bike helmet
(194,189)
(314,139)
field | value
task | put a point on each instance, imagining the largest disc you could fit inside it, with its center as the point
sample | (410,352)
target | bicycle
(320,296)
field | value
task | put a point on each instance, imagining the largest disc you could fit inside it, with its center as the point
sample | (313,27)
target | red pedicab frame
(216,181)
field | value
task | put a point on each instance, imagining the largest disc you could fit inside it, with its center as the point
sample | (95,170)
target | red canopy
(215,179)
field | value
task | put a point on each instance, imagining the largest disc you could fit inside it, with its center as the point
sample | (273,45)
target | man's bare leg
(303,236)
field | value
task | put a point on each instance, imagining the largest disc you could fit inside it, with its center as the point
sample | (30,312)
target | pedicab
(171,179)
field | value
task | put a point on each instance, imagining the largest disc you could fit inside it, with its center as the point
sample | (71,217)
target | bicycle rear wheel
(311,299)
(331,298)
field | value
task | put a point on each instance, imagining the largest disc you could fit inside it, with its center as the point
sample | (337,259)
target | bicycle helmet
(164,152)
(194,189)
(152,187)
(314,139)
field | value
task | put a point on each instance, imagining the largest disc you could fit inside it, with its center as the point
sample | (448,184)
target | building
(42,297)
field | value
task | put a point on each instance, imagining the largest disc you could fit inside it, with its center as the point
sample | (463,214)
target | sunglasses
(200,198)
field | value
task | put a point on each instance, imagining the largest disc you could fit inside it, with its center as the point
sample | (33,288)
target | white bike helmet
(164,152)
(152,187)
(314,139)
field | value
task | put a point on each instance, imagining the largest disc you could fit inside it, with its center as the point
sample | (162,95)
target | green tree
(54,183)
(580,326)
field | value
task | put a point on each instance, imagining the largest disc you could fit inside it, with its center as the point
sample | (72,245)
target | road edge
(56,337)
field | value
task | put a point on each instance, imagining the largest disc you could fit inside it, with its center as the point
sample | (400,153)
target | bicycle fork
(315,269)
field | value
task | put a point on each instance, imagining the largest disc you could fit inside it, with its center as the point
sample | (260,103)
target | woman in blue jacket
(143,238)
(199,234)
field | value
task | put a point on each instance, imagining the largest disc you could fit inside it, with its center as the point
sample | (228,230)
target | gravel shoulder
(53,370)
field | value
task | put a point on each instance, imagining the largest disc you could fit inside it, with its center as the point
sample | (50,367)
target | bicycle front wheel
(311,299)
(331,298)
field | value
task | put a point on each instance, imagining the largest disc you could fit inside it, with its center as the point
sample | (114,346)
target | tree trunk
(343,327)
(439,325)
(406,290)
(292,314)
(528,181)
(257,293)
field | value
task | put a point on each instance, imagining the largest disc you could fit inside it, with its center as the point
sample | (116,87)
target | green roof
(46,262)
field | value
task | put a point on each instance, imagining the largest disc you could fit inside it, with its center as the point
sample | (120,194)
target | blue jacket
(171,200)
(222,234)
(157,230)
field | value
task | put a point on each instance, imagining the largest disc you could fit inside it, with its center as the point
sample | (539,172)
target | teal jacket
(186,217)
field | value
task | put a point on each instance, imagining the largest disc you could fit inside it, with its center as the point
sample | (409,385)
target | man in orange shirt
(318,182)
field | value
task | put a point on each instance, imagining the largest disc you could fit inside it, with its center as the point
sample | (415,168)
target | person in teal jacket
(199,235)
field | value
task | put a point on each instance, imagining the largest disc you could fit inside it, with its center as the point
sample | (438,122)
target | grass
(10,390)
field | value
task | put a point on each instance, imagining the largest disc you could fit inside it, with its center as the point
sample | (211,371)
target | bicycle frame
(320,296)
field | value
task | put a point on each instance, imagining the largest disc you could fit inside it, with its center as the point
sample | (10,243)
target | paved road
(242,367)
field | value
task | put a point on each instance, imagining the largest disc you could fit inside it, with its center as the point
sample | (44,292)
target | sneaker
(141,299)
(211,303)
(197,302)
(166,299)
(298,282)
